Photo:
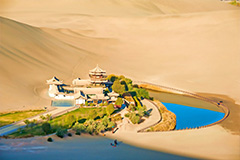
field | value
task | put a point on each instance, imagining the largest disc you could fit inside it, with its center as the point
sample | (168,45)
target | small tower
(53,86)
(97,75)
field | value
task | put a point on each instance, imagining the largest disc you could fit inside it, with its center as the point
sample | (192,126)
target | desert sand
(192,45)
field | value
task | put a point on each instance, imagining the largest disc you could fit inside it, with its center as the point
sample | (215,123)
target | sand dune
(190,44)
(28,57)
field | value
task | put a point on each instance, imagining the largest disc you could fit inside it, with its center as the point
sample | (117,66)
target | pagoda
(98,75)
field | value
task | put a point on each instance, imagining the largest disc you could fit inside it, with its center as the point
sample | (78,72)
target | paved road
(5,130)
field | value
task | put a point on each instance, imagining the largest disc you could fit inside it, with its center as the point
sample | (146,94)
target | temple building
(98,76)
(78,82)
(82,90)
(54,85)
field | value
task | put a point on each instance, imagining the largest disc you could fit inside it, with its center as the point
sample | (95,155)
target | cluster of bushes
(90,126)
(135,113)
(134,117)
(119,102)
(122,85)
(61,132)
(116,118)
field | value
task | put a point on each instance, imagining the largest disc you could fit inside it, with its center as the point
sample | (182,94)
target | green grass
(58,122)
(11,117)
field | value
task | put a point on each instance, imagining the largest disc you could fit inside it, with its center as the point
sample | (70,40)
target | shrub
(127,115)
(105,121)
(135,119)
(100,128)
(78,132)
(49,117)
(61,132)
(131,107)
(50,139)
(79,127)
(46,127)
(142,93)
(69,134)
(86,103)
(27,122)
(119,102)
(43,117)
(116,118)
(110,109)
(90,129)
(111,124)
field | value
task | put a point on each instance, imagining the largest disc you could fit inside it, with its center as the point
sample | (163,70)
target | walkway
(5,130)
(154,118)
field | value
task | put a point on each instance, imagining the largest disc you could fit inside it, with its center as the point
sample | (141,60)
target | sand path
(207,143)
(127,125)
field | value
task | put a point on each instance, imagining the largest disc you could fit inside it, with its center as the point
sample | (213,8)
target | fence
(194,95)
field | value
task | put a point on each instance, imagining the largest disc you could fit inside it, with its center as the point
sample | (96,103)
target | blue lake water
(191,117)
(81,148)
(63,103)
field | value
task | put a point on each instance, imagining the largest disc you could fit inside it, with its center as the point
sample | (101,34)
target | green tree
(49,117)
(118,87)
(110,109)
(61,132)
(135,119)
(112,77)
(90,129)
(122,82)
(141,112)
(100,128)
(27,122)
(46,127)
(43,117)
(79,127)
(105,121)
(119,102)
(141,93)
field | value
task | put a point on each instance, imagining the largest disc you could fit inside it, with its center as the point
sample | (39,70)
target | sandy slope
(193,45)
(28,57)
(189,44)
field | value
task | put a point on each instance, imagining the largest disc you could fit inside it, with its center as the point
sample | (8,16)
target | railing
(194,95)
